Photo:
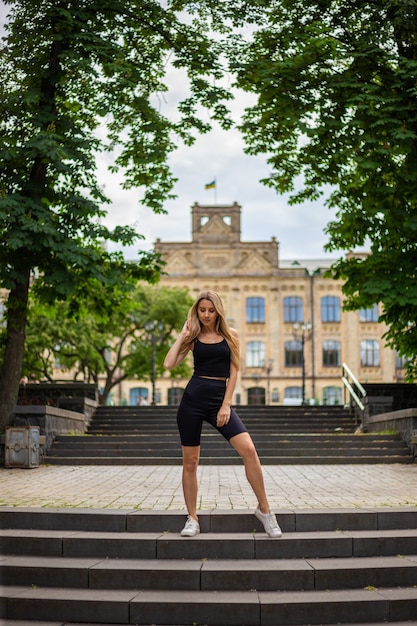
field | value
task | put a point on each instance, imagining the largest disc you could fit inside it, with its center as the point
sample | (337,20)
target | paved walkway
(221,487)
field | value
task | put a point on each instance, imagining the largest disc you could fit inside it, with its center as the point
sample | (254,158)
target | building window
(332,395)
(293,354)
(331,353)
(370,353)
(400,362)
(255,310)
(369,315)
(293,395)
(275,395)
(175,395)
(330,309)
(293,309)
(256,395)
(138,396)
(255,354)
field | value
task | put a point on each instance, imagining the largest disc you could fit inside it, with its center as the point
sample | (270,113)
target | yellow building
(294,335)
(293,332)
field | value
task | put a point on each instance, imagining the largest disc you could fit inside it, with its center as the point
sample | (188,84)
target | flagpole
(213,185)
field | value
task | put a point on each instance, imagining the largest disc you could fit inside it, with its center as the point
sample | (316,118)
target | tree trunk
(13,354)
(17,304)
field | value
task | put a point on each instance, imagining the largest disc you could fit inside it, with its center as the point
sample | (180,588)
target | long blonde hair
(222,327)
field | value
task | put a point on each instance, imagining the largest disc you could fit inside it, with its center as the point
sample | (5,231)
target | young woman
(208,396)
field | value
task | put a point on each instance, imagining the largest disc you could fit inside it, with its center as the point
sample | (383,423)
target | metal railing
(355,390)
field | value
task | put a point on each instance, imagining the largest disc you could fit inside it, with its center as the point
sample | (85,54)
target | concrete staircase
(132,567)
(282,435)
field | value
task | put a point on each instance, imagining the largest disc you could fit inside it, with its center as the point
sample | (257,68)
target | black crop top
(212,359)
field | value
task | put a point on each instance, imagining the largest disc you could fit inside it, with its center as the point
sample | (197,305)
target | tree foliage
(104,347)
(336,85)
(80,79)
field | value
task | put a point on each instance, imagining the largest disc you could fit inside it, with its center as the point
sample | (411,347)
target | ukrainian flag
(211,185)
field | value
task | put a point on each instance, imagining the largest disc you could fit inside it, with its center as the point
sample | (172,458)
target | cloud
(220,155)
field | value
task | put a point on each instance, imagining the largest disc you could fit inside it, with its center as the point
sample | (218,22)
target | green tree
(77,79)
(336,113)
(109,344)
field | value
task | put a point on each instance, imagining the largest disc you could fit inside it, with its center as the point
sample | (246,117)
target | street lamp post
(268,369)
(150,328)
(302,332)
(256,396)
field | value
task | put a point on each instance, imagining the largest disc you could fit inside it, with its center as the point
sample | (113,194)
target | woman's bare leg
(244,445)
(190,459)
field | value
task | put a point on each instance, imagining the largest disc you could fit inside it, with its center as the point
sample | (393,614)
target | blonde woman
(208,397)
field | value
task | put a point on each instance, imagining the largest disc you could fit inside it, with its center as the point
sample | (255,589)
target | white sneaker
(191,528)
(270,523)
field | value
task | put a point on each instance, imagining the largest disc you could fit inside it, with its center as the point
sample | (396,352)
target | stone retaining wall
(403,422)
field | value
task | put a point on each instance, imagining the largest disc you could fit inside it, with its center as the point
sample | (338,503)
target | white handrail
(353,377)
(348,385)
(353,394)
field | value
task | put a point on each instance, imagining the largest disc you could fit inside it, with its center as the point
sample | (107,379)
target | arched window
(331,353)
(332,395)
(293,309)
(400,361)
(293,354)
(255,354)
(255,310)
(256,395)
(370,353)
(138,395)
(369,315)
(293,395)
(330,309)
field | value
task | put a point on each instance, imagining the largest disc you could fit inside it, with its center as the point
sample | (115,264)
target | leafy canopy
(336,86)
(109,345)
(80,79)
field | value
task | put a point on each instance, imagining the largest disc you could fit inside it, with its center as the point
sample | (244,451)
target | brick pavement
(220,487)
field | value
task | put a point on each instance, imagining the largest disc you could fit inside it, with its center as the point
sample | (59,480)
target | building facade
(294,335)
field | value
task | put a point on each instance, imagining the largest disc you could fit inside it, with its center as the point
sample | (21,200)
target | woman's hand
(185,329)
(174,356)
(223,415)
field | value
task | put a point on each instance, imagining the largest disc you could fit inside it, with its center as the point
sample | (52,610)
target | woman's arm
(173,357)
(223,416)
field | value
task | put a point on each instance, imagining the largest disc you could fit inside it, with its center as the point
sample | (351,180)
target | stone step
(218,444)
(229,460)
(243,545)
(155,431)
(215,521)
(12,622)
(132,567)
(268,437)
(240,608)
(245,409)
(255,416)
(214,453)
(148,449)
(148,436)
(210,574)
(275,426)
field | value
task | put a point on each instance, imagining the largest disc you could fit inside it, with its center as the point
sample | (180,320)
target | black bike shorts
(201,401)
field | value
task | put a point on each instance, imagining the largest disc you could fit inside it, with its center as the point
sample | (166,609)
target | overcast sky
(220,155)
